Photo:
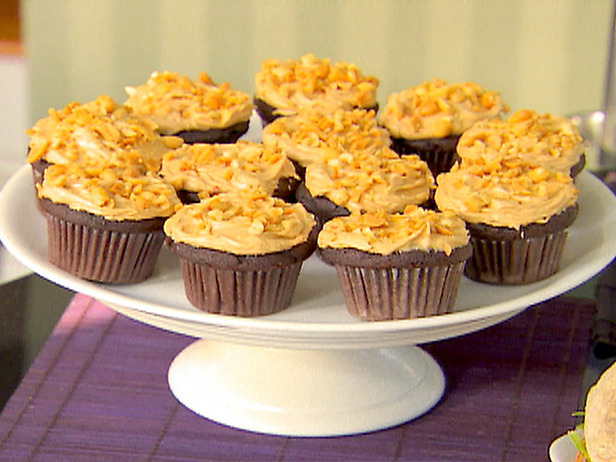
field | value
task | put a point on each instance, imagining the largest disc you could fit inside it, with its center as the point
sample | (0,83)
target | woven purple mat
(98,391)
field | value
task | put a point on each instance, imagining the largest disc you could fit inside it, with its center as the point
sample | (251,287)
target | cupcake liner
(378,294)
(102,255)
(519,261)
(239,293)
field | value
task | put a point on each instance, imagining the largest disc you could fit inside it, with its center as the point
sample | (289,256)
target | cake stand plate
(311,369)
(305,392)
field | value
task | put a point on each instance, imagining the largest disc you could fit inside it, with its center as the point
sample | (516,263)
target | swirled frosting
(311,82)
(95,133)
(311,136)
(112,193)
(176,103)
(242,224)
(540,139)
(371,181)
(210,169)
(382,233)
(435,109)
(511,195)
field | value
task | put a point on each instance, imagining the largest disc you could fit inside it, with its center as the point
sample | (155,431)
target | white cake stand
(311,370)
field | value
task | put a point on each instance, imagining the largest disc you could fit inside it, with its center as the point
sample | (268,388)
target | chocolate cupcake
(397,266)
(105,224)
(365,182)
(94,134)
(312,136)
(198,111)
(282,88)
(428,119)
(517,214)
(198,171)
(241,253)
(544,140)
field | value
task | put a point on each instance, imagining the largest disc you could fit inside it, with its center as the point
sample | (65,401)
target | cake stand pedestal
(305,392)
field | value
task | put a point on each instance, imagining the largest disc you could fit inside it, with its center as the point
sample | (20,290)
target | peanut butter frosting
(435,109)
(311,82)
(210,169)
(383,233)
(541,139)
(312,136)
(110,192)
(371,181)
(242,224)
(98,132)
(176,103)
(512,194)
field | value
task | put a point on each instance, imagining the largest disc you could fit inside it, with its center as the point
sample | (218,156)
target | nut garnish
(314,136)
(291,84)
(544,139)
(210,169)
(178,103)
(435,109)
(368,181)
(381,232)
(98,132)
(246,222)
(111,191)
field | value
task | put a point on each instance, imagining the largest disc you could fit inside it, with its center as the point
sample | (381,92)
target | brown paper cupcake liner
(102,255)
(239,293)
(519,261)
(378,294)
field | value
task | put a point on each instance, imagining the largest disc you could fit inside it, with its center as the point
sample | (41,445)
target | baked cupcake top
(371,181)
(109,192)
(98,132)
(176,103)
(241,223)
(312,136)
(383,233)
(541,139)
(311,82)
(210,169)
(435,109)
(512,194)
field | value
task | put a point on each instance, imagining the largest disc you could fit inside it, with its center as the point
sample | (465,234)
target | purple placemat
(98,391)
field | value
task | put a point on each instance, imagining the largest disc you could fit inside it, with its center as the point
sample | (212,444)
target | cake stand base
(305,392)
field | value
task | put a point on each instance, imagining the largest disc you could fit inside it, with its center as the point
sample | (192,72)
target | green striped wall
(548,55)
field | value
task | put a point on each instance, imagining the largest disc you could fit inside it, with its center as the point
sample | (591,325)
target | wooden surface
(10,30)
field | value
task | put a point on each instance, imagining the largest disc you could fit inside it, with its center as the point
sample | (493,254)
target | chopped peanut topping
(380,232)
(312,136)
(292,84)
(504,193)
(436,109)
(542,139)
(369,181)
(214,168)
(247,222)
(178,103)
(109,191)
(97,132)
